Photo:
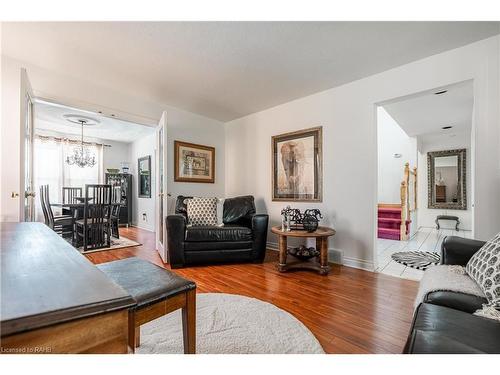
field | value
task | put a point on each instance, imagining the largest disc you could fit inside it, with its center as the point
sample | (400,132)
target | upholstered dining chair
(94,230)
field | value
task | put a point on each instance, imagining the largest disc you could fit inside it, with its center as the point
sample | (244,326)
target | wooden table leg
(323,257)
(189,323)
(282,245)
(137,336)
(131,331)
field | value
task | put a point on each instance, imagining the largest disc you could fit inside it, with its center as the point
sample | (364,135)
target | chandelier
(81,155)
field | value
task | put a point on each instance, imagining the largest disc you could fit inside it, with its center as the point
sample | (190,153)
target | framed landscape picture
(297,166)
(194,163)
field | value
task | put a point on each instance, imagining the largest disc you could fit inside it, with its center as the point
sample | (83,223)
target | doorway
(408,130)
(123,155)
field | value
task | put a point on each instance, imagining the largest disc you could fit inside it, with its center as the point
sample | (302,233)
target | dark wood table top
(320,232)
(45,281)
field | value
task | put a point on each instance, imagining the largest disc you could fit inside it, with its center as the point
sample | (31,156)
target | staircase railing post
(402,228)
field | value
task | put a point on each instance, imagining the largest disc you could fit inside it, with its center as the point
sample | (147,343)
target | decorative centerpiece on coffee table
(293,219)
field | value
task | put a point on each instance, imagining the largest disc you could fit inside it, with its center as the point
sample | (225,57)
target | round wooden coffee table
(321,234)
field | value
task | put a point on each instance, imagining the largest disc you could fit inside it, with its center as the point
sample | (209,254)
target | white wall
(143,147)
(187,127)
(88,95)
(391,139)
(114,155)
(200,130)
(10,136)
(348,116)
(427,216)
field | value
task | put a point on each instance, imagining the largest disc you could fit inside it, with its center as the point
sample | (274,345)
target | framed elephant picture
(297,166)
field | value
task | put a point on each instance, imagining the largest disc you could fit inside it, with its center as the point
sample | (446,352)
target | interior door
(27,199)
(161,188)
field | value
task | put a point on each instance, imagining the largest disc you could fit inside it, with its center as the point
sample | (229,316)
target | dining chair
(61,224)
(94,230)
(69,194)
(42,204)
(115,211)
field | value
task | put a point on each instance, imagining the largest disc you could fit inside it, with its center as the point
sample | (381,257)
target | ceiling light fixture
(441,92)
(81,155)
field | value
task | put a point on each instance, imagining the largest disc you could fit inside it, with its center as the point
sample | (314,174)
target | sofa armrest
(458,250)
(455,300)
(176,231)
(259,229)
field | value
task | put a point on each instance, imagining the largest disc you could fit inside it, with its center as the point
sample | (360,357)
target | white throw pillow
(202,211)
(484,268)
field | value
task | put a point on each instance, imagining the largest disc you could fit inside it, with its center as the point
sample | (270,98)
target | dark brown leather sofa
(243,237)
(444,323)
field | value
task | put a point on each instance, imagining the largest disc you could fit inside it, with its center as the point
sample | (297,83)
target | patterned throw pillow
(484,268)
(202,211)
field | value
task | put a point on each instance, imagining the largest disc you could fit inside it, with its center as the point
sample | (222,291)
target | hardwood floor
(349,311)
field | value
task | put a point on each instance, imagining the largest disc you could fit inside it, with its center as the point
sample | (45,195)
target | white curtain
(50,168)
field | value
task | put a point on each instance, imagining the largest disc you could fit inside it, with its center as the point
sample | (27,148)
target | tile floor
(426,239)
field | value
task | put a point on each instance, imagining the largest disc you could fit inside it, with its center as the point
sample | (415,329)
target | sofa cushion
(217,246)
(238,210)
(214,233)
(484,268)
(441,330)
(202,211)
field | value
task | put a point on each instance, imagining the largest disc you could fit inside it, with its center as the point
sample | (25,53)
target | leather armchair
(243,237)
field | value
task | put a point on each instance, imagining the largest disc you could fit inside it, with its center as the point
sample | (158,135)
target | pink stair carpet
(389,222)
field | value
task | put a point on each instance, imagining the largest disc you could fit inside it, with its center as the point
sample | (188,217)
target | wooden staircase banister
(407,196)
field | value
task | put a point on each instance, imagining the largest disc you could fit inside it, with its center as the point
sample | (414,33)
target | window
(50,168)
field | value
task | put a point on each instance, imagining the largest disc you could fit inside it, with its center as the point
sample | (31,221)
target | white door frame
(161,206)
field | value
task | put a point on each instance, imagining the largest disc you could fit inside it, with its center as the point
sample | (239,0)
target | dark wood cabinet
(124,181)
(440,193)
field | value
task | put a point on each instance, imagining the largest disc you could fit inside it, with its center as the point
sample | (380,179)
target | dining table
(78,206)
(76,209)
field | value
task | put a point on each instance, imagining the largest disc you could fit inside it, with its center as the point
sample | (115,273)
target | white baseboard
(359,263)
(149,229)
(337,256)
(272,246)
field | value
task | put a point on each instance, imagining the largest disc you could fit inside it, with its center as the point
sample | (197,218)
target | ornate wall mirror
(446,175)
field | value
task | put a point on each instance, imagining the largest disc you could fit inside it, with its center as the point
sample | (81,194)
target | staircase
(394,219)
(389,223)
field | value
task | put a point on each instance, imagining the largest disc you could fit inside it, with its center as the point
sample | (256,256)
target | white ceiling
(425,114)
(50,118)
(225,70)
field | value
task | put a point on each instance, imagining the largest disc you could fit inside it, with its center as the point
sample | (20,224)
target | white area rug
(231,324)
